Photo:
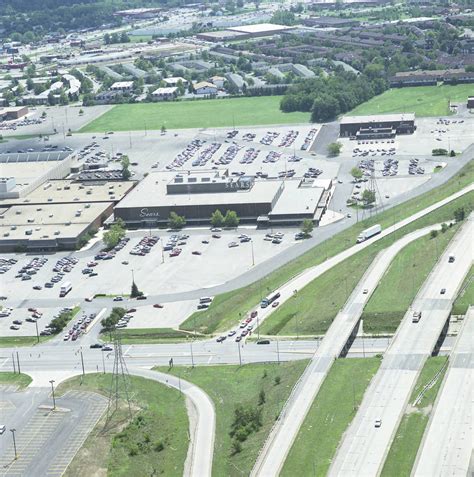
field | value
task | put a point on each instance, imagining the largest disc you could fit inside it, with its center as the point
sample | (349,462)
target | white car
(118,298)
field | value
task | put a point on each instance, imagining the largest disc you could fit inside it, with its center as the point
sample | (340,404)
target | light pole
(52,390)
(14,442)
(192,355)
(103,362)
(37,332)
(253,255)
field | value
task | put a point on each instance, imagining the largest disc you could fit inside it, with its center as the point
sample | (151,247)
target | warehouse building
(14,112)
(377,126)
(196,195)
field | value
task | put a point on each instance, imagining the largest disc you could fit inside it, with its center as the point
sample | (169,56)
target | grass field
(421,100)
(154,442)
(227,309)
(313,309)
(466,295)
(206,113)
(399,286)
(402,454)
(150,335)
(229,386)
(20,380)
(329,416)
(12,341)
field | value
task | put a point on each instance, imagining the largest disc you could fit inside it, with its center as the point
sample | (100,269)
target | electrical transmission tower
(120,386)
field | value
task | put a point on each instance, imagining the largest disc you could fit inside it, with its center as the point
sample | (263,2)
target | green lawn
(150,335)
(229,386)
(154,442)
(20,380)
(228,308)
(313,309)
(206,113)
(329,416)
(404,448)
(399,286)
(13,341)
(421,100)
(465,297)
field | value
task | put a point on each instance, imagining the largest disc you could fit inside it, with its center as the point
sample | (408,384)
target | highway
(364,447)
(277,446)
(446,448)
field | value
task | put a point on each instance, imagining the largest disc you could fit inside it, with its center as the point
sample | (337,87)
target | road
(202,432)
(446,448)
(364,447)
(280,440)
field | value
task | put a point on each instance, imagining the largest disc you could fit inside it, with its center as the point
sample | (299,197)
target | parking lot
(202,261)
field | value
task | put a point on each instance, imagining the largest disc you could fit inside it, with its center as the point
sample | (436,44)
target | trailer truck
(370,232)
(66,287)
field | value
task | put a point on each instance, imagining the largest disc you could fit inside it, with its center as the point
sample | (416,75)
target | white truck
(370,232)
(66,287)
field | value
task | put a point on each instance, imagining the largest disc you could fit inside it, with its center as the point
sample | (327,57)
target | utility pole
(14,442)
(192,356)
(240,356)
(278,351)
(253,255)
(52,390)
(37,332)
(18,362)
(14,365)
(82,362)
(103,362)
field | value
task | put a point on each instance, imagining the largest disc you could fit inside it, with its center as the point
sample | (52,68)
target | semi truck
(66,287)
(370,232)
(269,300)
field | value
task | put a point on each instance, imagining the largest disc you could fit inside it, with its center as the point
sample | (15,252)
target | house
(174,80)
(165,94)
(204,87)
(123,86)
(217,81)
(236,80)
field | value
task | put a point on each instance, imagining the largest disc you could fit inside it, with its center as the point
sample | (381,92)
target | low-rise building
(203,87)
(217,81)
(124,86)
(470,102)
(165,94)
(174,81)
(377,126)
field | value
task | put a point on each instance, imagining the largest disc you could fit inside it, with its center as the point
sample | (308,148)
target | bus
(269,300)
(66,287)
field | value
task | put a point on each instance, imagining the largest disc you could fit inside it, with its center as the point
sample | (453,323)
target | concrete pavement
(364,447)
(446,448)
(278,445)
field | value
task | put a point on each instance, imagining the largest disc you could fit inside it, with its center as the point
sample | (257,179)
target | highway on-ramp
(364,447)
(277,446)
(446,449)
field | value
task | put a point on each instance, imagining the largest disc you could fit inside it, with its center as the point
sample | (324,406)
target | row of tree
(326,98)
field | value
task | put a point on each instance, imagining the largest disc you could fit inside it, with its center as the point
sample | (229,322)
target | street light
(14,442)
(52,390)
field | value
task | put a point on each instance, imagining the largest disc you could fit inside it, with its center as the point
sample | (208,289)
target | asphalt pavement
(364,447)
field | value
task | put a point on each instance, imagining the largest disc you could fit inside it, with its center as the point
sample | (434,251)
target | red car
(253,314)
(132,310)
(275,304)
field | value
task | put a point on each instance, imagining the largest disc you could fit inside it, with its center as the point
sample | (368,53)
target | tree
(356,173)
(217,219)
(113,236)
(307,227)
(334,149)
(433,234)
(444,227)
(176,221)
(368,197)
(163,129)
(459,214)
(231,219)
(126,174)
(135,292)
(261,398)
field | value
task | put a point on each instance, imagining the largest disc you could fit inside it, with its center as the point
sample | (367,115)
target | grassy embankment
(231,386)
(329,416)
(227,308)
(404,448)
(154,442)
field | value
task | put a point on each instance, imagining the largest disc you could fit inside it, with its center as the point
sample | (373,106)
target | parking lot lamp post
(103,362)
(37,333)
(52,390)
(14,364)
(14,442)
(82,362)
